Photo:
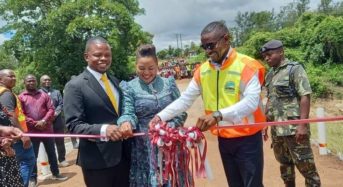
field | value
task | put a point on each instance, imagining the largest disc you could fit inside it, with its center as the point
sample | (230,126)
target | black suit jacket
(86,108)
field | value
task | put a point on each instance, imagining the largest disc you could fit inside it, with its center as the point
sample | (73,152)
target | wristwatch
(217,115)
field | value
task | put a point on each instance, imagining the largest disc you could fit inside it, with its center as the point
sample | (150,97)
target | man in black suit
(91,106)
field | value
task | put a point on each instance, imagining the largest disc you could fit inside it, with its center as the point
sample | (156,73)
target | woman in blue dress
(144,97)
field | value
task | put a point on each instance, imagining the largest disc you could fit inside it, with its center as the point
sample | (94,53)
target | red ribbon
(168,140)
(277,123)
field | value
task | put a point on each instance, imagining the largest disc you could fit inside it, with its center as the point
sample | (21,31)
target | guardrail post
(321,132)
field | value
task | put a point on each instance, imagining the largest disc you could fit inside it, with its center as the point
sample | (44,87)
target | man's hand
(265,133)
(154,121)
(10,132)
(301,133)
(205,122)
(40,125)
(26,142)
(126,130)
(113,133)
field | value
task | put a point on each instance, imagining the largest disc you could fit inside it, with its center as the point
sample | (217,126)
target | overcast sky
(164,19)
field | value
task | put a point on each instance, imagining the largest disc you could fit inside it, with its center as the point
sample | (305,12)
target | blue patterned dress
(140,104)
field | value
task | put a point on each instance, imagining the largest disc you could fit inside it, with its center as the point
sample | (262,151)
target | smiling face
(45,81)
(147,68)
(98,56)
(215,45)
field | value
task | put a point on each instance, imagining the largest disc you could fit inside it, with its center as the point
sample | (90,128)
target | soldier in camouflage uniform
(289,98)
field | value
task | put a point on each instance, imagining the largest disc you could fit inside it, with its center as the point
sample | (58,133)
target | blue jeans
(26,159)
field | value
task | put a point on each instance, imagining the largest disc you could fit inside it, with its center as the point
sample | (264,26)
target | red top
(37,106)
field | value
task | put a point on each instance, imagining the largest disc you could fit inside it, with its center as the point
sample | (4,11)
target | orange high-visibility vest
(18,110)
(221,89)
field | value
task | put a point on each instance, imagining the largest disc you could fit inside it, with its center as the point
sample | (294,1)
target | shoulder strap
(291,65)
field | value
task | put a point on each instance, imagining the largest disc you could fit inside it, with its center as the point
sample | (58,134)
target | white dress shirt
(250,97)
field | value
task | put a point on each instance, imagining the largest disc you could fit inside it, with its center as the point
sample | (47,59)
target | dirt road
(330,168)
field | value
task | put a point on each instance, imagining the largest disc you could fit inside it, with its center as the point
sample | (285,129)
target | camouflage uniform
(285,84)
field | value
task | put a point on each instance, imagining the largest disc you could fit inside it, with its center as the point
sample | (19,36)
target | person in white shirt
(230,86)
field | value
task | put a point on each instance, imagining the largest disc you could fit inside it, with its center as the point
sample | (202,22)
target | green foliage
(295,54)
(328,37)
(7,60)
(252,46)
(316,40)
(201,57)
(50,35)
(250,22)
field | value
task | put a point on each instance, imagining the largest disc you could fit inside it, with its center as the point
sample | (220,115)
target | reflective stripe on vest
(20,115)
(18,110)
(221,89)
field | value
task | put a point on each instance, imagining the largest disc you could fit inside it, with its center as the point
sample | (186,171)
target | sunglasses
(212,45)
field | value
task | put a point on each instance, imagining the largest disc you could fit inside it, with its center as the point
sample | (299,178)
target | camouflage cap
(272,44)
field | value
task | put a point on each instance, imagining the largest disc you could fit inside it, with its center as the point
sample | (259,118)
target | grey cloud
(164,19)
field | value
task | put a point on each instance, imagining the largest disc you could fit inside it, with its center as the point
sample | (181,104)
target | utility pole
(181,44)
(177,41)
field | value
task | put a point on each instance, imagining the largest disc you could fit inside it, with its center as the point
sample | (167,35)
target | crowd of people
(35,110)
(179,69)
(97,103)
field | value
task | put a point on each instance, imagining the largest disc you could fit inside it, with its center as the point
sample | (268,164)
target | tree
(302,6)
(250,22)
(50,35)
(291,12)
(325,6)
(7,60)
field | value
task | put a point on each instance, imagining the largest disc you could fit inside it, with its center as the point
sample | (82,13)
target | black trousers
(50,151)
(117,176)
(242,159)
(59,127)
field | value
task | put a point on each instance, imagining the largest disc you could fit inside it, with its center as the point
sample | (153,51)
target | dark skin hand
(40,125)
(11,132)
(126,130)
(26,140)
(113,133)
(265,129)
(265,133)
(154,121)
(302,130)
(205,122)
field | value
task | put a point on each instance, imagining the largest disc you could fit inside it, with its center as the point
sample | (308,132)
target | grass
(334,136)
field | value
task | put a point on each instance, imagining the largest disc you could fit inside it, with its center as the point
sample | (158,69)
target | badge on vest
(229,87)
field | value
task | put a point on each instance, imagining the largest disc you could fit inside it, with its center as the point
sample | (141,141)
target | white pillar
(42,161)
(321,132)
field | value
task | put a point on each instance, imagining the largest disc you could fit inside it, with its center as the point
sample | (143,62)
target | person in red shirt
(39,111)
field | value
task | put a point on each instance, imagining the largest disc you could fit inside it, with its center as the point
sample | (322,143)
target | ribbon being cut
(174,149)
(170,141)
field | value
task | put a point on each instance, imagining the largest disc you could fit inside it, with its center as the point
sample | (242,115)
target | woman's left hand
(126,130)
(154,121)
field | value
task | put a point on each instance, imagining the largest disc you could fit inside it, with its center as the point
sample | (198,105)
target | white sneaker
(32,183)
(59,177)
(64,163)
